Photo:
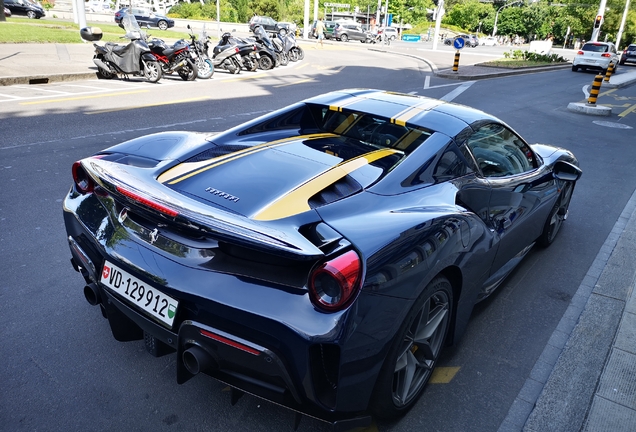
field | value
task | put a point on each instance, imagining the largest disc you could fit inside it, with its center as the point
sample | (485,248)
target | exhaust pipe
(196,360)
(91,292)
(102,65)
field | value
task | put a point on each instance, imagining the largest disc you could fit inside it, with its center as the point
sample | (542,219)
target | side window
(451,165)
(499,152)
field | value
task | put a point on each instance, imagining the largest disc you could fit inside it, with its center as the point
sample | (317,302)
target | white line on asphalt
(459,90)
(585,92)
(427,84)
(9,96)
(41,89)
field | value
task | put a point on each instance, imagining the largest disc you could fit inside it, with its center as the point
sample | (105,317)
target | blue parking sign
(459,42)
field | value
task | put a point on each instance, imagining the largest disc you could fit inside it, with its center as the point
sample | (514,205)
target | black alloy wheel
(415,352)
(266,62)
(557,216)
(104,74)
(162,25)
(189,71)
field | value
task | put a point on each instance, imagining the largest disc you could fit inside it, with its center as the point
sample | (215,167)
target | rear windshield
(595,47)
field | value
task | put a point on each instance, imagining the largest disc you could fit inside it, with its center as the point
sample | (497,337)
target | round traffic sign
(459,42)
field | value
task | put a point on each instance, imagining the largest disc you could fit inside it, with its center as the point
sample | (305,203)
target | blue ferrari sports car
(320,256)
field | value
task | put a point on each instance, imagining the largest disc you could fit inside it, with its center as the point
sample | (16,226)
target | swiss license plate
(148,298)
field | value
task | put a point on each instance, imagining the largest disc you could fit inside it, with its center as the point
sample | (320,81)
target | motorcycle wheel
(293,55)
(301,53)
(188,72)
(205,68)
(266,62)
(152,71)
(284,59)
(104,74)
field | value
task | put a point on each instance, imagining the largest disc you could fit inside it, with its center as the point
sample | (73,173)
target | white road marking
(585,92)
(459,90)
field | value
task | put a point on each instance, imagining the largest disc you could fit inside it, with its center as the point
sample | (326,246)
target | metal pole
(601,12)
(316,10)
(377,14)
(622,26)
(306,20)
(438,23)
(218,19)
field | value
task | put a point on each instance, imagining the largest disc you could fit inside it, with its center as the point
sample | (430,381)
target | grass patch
(516,64)
(24,30)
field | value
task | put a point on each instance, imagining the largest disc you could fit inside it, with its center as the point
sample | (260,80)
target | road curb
(46,79)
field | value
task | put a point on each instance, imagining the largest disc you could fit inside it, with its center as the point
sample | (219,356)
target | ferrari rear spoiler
(139,187)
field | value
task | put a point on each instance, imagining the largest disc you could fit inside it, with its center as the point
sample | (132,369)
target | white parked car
(596,56)
(489,41)
(390,32)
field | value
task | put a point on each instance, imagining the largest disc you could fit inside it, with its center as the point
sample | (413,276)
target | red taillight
(606,55)
(148,203)
(334,284)
(580,52)
(83,182)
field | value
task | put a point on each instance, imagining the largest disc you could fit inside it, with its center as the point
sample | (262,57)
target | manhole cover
(612,124)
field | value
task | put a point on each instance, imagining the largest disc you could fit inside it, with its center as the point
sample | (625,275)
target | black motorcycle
(176,58)
(133,59)
(268,57)
(198,49)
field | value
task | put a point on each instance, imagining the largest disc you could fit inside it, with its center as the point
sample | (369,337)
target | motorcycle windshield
(204,34)
(131,26)
(261,34)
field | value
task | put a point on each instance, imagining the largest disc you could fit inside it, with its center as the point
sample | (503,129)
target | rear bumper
(261,339)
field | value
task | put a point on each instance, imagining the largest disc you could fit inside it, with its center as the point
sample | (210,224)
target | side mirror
(566,171)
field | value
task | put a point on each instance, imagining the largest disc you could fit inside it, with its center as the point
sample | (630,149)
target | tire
(293,55)
(344,38)
(104,74)
(205,68)
(162,25)
(152,71)
(31,15)
(411,359)
(266,62)
(188,72)
(284,59)
(575,68)
(301,53)
(557,216)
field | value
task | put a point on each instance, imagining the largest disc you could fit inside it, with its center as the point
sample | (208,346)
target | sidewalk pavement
(585,379)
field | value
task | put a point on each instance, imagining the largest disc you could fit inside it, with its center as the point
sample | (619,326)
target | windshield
(130,23)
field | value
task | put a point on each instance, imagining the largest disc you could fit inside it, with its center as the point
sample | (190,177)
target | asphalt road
(61,368)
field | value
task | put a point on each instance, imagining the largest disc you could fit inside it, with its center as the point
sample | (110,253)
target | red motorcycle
(176,58)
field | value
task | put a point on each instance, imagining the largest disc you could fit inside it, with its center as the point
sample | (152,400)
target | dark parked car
(320,256)
(145,17)
(269,24)
(346,32)
(7,12)
(628,55)
(24,7)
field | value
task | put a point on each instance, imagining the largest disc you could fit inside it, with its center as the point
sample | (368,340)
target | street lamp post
(494,27)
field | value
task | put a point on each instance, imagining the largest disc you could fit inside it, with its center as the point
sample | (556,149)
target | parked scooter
(268,57)
(247,51)
(226,55)
(198,49)
(174,58)
(133,59)
(288,44)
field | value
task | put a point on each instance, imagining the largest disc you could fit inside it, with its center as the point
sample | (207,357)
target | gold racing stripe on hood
(297,201)
(186,170)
